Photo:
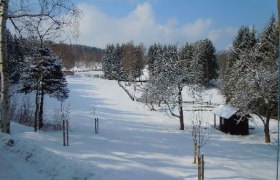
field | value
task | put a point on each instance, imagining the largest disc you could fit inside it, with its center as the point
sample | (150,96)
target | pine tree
(205,53)
(116,63)
(15,58)
(44,76)
(107,61)
(139,64)
(152,53)
(243,43)
(192,66)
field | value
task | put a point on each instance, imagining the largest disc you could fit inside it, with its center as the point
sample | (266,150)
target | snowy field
(133,143)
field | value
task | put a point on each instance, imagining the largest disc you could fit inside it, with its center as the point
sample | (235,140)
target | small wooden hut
(230,122)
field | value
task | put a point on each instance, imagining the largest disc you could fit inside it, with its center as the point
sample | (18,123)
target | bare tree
(201,134)
(132,60)
(42,18)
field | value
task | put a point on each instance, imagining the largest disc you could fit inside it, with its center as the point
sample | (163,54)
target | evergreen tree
(205,53)
(152,53)
(268,44)
(116,63)
(44,76)
(15,58)
(243,43)
(107,61)
(191,64)
(139,51)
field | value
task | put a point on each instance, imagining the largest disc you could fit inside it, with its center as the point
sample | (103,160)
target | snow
(133,143)
(225,111)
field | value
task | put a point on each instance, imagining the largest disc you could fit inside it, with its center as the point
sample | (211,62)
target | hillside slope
(133,143)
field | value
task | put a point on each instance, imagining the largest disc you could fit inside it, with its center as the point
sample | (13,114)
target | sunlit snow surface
(133,143)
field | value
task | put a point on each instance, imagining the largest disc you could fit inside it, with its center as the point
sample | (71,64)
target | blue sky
(170,21)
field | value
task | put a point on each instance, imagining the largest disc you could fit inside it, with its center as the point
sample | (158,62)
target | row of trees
(251,75)
(124,62)
(172,69)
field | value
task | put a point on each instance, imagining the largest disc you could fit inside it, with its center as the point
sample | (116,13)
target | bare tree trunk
(41,110)
(180,103)
(5,120)
(266,126)
(36,117)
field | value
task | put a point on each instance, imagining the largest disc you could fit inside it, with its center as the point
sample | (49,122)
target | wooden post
(96,125)
(199,167)
(215,120)
(63,127)
(194,155)
(67,133)
(202,167)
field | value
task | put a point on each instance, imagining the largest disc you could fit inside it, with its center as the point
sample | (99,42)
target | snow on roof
(225,111)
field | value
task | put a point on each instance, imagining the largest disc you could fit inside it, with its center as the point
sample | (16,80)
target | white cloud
(223,37)
(98,29)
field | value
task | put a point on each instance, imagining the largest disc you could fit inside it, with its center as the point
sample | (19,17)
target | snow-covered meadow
(133,142)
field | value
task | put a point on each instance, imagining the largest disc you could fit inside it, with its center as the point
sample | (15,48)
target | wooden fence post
(63,128)
(194,156)
(96,125)
(202,167)
(67,133)
(199,167)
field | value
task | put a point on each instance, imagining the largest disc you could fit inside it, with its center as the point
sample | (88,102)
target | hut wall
(233,127)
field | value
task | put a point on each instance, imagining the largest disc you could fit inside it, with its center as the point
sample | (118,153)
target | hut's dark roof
(225,111)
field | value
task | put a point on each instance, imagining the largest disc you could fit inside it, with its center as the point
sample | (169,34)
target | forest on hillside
(75,55)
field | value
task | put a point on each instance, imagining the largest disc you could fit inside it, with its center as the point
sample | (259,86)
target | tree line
(123,62)
(76,55)
(170,69)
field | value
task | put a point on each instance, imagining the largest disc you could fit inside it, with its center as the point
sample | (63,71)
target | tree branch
(259,116)
(169,108)
(27,15)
